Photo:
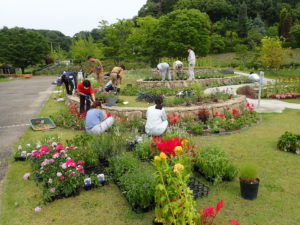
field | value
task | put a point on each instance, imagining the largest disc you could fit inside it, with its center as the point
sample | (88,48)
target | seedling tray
(199,189)
(39,124)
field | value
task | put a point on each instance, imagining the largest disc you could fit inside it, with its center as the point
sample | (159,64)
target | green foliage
(22,48)
(289,142)
(243,20)
(144,151)
(138,187)
(82,48)
(108,145)
(248,172)
(194,32)
(214,164)
(197,128)
(217,43)
(57,39)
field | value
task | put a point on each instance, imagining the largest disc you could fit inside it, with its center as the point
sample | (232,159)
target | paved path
(20,101)
(266,105)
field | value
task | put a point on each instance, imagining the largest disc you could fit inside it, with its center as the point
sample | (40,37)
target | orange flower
(178,167)
(162,155)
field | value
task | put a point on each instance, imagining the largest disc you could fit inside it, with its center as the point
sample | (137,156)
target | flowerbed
(286,96)
(282,88)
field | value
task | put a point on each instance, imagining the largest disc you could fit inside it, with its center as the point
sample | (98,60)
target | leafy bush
(248,172)
(144,151)
(289,142)
(214,164)
(197,128)
(138,187)
(107,145)
(122,164)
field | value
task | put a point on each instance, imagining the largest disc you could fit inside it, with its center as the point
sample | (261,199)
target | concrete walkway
(21,100)
(266,105)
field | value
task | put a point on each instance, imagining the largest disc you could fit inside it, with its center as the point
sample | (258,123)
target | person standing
(97,68)
(96,121)
(177,68)
(157,122)
(164,69)
(86,94)
(70,81)
(192,63)
(116,76)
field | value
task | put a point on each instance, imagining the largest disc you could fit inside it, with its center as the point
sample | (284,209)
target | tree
(141,39)
(243,20)
(272,53)
(285,23)
(22,48)
(81,49)
(57,39)
(217,43)
(181,29)
(115,39)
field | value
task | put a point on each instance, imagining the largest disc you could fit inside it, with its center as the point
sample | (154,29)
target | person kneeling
(96,121)
(157,122)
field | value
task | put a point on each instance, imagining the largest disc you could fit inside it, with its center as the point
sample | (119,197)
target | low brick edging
(182,83)
(236,103)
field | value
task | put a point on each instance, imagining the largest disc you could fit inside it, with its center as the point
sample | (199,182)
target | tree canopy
(22,48)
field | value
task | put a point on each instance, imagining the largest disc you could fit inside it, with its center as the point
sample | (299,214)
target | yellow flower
(178,149)
(178,167)
(157,158)
(163,155)
(185,143)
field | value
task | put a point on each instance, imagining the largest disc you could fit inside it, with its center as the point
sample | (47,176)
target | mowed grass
(279,192)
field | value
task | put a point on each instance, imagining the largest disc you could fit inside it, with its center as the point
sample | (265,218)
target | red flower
(220,205)
(208,211)
(108,115)
(235,222)
(174,118)
(217,113)
(235,112)
(73,174)
(168,146)
(81,162)
(62,177)
(222,115)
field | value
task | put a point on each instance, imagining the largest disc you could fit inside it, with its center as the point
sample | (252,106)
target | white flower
(50,181)
(28,145)
(59,174)
(26,176)
(64,166)
(28,154)
(38,209)
(54,144)
(42,171)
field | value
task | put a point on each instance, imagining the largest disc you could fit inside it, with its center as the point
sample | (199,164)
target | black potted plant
(248,181)
(111,99)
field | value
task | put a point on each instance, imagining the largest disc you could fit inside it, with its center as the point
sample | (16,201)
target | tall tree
(57,39)
(243,20)
(22,48)
(181,29)
(285,23)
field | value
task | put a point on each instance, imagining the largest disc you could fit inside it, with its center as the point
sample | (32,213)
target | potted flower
(87,183)
(248,181)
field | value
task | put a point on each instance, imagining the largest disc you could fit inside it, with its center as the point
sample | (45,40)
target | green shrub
(138,187)
(214,164)
(289,142)
(197,128)
(144,151)
(248,172)
(122,164)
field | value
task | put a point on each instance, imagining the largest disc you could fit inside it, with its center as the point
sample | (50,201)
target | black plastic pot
(249,190)
(19,158)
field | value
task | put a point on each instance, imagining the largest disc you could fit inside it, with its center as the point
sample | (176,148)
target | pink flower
(54,144)
(52,190)
(59,147)
(82,171)
(73,174)
(79,167)
(62,177)
(81,162)
(49,141)
(37,209)
(55,155)
(222,115)
(26,176)
(208,211)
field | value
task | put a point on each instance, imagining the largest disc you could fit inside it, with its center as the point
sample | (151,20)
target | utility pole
(261,82)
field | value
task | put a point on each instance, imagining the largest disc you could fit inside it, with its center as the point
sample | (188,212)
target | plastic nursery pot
(20,158)
(249,190)
(111,101)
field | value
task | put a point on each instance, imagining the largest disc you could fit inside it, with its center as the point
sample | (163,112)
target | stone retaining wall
(182,83)
(235,103)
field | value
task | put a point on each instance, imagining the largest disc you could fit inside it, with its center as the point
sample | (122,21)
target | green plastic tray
(42,124)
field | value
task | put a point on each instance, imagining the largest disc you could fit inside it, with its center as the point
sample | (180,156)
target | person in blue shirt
(96,121)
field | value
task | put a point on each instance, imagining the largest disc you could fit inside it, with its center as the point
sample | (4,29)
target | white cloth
(157,122)
(254,77)
(102,127)
(164,69)
(192,63)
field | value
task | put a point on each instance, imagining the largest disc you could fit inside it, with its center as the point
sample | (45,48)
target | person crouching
(96,121)
(157,122)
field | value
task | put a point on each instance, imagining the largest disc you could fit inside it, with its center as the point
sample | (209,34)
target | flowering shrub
(166,146)
(69,117)
(61,175)
(174,118)
(289,142)
(286,96)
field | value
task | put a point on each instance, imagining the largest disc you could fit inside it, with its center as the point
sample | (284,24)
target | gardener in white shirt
(164,69)
(177,68)
(157,122)
(192,63)
(253,77)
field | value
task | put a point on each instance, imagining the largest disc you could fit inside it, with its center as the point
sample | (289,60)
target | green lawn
(296,100)
(277,204)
